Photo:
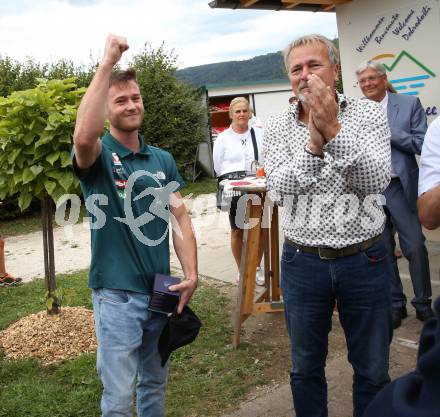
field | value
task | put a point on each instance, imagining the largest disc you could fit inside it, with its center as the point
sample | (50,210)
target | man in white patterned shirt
(328,161)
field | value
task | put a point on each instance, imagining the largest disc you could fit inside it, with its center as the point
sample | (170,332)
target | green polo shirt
(129,229)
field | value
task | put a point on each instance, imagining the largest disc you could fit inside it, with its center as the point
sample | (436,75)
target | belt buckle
(321,253)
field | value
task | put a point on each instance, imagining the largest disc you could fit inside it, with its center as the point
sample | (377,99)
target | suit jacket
(407,122)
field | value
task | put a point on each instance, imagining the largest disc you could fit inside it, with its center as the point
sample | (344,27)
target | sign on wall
(401,35)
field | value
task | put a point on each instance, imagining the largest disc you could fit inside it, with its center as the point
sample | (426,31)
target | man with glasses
(407,122)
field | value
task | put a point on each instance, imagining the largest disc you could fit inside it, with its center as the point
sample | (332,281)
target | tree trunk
(53,304)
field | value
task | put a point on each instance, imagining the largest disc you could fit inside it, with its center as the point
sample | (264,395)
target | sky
(48,30)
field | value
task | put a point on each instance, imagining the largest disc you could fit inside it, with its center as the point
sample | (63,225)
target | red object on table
(238,183)
(260,172)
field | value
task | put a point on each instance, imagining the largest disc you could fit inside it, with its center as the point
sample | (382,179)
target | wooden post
(268,301)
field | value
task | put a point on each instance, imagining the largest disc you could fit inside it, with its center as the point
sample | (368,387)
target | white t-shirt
(235,151)
(429,166)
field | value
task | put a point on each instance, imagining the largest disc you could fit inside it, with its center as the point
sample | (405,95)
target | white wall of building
(266,98)
(268,104)
(403,35)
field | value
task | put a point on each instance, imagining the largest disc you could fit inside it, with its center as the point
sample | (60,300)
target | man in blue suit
(407,122)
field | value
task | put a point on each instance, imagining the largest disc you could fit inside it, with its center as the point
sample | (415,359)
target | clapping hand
(323,113)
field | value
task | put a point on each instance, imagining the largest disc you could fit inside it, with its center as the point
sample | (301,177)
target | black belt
(330,253)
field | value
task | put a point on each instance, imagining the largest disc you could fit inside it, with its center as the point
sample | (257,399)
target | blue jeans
(128,335)
(360,285)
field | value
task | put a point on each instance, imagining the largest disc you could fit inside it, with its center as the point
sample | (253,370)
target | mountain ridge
(262,67)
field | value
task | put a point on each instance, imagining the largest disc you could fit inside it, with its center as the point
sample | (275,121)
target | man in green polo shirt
(135,191)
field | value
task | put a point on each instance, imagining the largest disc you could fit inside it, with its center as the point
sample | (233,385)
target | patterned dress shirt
(334,201)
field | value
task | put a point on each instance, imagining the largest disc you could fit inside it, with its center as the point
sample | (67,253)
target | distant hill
(262,67)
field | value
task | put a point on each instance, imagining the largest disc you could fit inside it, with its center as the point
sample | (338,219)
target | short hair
(122,77)
(374,65)
(333,54)
(237,100)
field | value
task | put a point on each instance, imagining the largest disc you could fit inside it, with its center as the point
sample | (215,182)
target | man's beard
(126,127)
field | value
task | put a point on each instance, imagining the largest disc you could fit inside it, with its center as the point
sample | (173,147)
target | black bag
(224,199)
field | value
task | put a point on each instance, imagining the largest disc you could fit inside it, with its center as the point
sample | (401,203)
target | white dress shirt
(356,165)
(429,167)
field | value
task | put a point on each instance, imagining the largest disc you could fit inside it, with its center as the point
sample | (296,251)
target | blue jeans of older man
(360,287)
(127,356)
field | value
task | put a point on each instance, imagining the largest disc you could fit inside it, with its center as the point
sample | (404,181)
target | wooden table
(265,299)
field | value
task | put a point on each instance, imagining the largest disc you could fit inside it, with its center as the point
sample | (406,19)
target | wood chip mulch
(50,338)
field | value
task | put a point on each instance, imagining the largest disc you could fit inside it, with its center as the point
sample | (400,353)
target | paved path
(24,254)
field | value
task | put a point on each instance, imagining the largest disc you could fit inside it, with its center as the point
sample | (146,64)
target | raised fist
(115,46)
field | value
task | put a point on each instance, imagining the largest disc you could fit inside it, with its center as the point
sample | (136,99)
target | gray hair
(374,65)
(237,100)
(333,54)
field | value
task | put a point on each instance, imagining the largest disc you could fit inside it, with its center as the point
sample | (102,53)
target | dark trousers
(401,218)
(360,286)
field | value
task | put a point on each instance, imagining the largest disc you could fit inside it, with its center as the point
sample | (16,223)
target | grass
(204,186)
(21,225)
(32,223)
(205,379)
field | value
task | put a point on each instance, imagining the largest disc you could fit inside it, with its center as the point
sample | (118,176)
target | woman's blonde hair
(236,101)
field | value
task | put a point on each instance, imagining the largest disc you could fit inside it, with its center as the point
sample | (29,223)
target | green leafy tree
(24,75)
(16,76)
(174,111)
(36,127)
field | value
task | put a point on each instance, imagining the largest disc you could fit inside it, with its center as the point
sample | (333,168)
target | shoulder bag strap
(254,142)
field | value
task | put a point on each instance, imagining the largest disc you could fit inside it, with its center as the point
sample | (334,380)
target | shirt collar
(384,102)
(295,106)
(116,146)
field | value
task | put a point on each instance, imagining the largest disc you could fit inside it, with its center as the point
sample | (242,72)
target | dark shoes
(425,315)
(398,315)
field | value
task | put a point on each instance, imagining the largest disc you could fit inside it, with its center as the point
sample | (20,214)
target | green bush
(174,111)
(36,128)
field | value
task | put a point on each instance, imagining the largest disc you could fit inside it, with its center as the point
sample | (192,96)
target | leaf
(17,177)
(40,153)
(52,157)
(36,169)
(13,155)
(19,162)
(49,186)
(39,188)
(57,193)
(29,138)
(66,160)
(49,303)
(54,173)
(66,180)
(28,176)
(45,137)
(24,200)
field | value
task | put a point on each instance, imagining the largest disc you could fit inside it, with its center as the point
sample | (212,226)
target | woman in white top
(234,151)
